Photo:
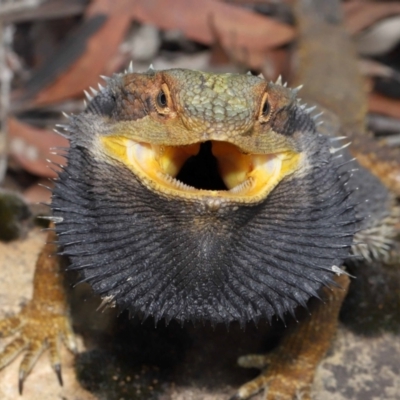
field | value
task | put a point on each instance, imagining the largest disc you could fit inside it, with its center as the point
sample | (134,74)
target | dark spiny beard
(175,259)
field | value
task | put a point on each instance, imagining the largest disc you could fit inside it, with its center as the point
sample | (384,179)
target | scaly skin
(270,233)
(288,371)
(43,322)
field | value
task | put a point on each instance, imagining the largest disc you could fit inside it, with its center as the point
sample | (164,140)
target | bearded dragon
(220,197)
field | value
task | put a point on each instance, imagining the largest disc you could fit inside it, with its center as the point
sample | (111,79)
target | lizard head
(198,136)
(191,195)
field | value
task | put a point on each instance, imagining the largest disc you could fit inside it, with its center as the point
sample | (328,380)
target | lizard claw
(287,386)
(287,372)
(254,361)
(37,331)
(43,323)
(282,377)
(57,370)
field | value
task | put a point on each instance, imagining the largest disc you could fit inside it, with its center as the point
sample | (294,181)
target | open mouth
(211,169)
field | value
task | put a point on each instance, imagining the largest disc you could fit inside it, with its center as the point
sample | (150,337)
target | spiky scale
(337,138)
(51,218)
(63,134)
(334,150)
(315,117)
(296,90)
(88,96)
(62,126)
(311,109)
(94,91)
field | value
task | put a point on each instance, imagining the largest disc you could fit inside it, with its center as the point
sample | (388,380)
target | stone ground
(126,359)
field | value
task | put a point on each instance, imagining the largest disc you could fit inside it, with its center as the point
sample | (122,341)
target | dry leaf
(239,30)
(100,47)
(383,105)
(31,147)
(360,15)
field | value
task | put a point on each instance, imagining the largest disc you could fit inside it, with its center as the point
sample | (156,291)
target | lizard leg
(288,372)
(44,321)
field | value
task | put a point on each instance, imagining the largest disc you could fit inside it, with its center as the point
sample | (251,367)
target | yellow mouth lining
(247,177)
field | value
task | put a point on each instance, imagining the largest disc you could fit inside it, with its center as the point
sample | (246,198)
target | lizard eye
(161,99)
(266,108)
(265,111)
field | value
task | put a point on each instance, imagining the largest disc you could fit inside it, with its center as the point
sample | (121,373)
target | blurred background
(52,50)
